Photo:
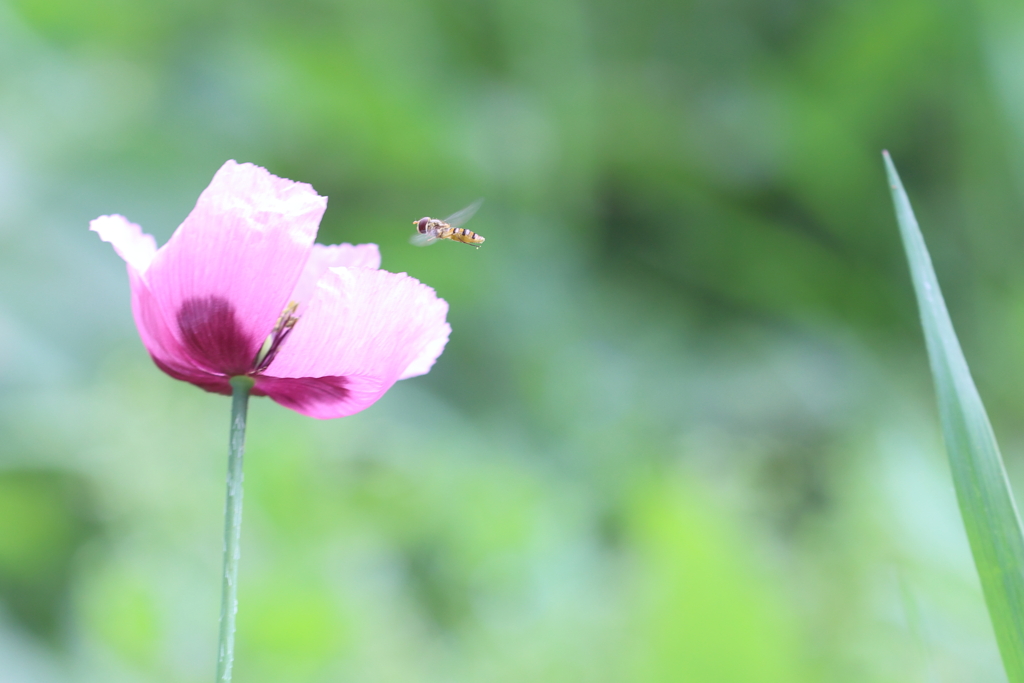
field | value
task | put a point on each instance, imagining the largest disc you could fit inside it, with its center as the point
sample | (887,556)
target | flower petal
(138,249)
(134,246)
(367,327)
(166,351)
(228,271)
(324,257)
(431,352)
(321,397)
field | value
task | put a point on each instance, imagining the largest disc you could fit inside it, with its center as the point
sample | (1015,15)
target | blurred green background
(684,428)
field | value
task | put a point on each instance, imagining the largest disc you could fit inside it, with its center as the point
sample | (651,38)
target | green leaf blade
(982,488)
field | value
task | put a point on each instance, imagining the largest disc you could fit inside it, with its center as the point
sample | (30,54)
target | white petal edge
(134,246)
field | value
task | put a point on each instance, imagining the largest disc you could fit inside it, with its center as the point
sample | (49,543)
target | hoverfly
(430,229)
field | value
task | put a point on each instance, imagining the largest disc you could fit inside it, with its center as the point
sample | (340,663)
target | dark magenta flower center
(211,333)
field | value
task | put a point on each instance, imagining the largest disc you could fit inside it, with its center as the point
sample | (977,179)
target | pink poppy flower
(240,289)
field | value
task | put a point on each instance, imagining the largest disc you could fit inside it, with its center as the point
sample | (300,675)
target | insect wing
(460,217)
(423,240)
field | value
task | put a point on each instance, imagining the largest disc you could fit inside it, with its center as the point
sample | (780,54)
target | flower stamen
(283,327)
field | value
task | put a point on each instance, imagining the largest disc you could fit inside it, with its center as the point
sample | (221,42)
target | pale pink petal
(138,249)
(364,329)
(229,270)
(166,351)
(134,246)
(324,257)
(431,352)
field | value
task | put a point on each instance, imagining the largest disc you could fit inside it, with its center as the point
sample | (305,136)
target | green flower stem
(240,386)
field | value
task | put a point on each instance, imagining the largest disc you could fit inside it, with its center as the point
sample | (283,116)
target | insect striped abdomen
(466,236)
